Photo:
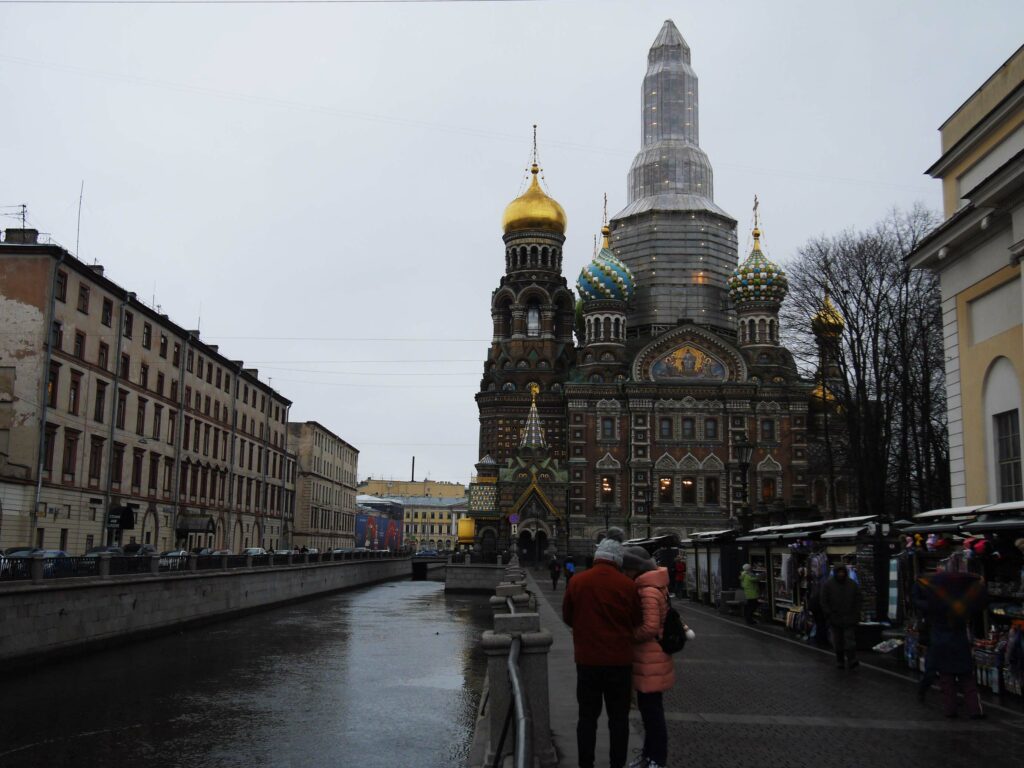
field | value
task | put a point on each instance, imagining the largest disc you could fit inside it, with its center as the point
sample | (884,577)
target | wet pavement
(750,697)
(382,676)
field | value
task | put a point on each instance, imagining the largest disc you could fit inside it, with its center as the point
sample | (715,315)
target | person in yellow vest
(751,591)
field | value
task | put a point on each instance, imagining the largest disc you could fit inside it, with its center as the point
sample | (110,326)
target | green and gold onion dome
(605,277)
(757,279)
(534,210)
(827,321)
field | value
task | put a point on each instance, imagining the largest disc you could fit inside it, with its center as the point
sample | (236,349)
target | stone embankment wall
(473,577)
(73,615)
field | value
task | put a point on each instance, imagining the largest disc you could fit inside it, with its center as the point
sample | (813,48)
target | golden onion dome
(827,321)
(534,210)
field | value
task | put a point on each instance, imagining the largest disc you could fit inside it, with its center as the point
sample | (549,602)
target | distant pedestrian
(653,669)
(950,602)
(603,608)
(555,568)
(751,592)
(680,581)
(570,569)
(841,600)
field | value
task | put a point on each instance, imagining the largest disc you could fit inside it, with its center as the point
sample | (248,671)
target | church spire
(533,432)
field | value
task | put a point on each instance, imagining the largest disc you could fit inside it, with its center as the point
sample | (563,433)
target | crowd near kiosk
(987,540)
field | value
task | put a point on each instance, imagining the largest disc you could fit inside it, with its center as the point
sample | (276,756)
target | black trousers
(844,640)
(613,686)
(652,710)
(749,608)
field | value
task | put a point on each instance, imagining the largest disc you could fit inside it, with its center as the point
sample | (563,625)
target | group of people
(617,611)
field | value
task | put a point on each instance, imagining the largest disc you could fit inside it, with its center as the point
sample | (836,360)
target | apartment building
(118,425)
(325,488)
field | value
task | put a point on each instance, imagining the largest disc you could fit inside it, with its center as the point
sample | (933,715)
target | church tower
(532,315)
(677,242)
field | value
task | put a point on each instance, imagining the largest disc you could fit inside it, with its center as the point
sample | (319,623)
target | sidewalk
(750,696)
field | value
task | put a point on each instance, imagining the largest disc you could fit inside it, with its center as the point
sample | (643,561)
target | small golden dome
(827,321)
(534,210)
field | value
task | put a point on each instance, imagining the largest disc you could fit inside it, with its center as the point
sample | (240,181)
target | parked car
(22,551)
(174,559)
(139,550)
(110,550)
(55,562)
(219,552)
(254,551)
(426,553)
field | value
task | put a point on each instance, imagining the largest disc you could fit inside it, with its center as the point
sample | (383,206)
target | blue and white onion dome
(605,277)
(757,279)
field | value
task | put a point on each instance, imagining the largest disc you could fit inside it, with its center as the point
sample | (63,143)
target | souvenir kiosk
(987,540)
(712,565)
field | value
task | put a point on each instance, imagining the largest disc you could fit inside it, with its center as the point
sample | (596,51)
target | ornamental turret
(757,288)
(605,286)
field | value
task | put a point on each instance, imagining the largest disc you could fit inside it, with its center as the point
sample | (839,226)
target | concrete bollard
(154,565)
(104,565)
(533,666)
(499,696)
(520,601)
(36,568)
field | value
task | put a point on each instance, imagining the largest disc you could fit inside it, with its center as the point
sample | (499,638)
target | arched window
(533,320)
(607,329)
(534,254)
(761,331)
(616,326)
(751,332)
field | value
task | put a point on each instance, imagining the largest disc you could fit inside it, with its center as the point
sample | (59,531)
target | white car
(254,551)
(174,559)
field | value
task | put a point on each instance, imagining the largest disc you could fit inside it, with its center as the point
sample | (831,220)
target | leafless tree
(890,393)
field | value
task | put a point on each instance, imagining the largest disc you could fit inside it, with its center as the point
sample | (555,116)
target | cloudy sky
(323,184)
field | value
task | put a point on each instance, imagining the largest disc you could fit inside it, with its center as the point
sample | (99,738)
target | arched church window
(508,386)
(761,330)
(616,327)
(607,328)
(533,320)
(534,254)
(751,332)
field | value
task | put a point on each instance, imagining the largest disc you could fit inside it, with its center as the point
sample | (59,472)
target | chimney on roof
(21,236)
(97,268)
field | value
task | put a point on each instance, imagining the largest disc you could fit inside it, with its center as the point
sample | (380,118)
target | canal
(387,675)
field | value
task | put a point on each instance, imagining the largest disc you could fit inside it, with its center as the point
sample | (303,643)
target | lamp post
(743,450)
(648,496)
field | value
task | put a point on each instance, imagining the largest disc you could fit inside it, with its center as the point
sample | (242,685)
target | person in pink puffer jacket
(654,671)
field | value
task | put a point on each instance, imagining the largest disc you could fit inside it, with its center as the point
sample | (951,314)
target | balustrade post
(291,558)
(154,565)
(533,666)
(248,561)
(104,565)
(36,568)
(193,562)
(223,562)
(499,693)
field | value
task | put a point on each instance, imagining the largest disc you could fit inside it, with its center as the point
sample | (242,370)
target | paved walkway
(747,696)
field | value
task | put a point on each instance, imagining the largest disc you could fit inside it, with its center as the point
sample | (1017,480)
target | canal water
(384,676)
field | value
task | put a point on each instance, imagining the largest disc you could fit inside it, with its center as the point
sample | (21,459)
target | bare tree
(889,394)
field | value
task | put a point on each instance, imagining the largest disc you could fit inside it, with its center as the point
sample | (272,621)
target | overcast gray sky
(339,171)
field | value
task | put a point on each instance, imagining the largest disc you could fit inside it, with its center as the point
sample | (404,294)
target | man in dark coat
(555,569)
(602,607)
(840,601)
(950,601)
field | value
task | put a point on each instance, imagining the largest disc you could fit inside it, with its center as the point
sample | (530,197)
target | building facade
(676,407)
(325,487)
(976,252)
(438,489)
(432,522)
(117,425)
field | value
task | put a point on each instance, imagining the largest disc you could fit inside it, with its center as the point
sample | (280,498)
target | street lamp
(743,450)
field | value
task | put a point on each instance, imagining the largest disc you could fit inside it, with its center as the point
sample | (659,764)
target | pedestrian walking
(751,592)
(555,568)
(602,607)
(680,569)
(840,600)
(653,669)
(950,602)
(570,569)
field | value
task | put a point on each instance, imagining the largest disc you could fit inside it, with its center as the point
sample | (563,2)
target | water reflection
(384,676)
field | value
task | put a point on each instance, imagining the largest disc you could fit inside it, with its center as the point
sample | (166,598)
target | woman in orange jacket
(653,669)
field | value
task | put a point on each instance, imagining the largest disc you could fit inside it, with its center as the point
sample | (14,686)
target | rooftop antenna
(78,227)
(199,320)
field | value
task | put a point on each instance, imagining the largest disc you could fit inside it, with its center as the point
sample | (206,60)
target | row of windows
(688,428)
(195,481)
(666,489)
(331,519)
(213,373)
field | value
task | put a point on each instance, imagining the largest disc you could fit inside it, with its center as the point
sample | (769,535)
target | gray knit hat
(609,549)
(637,559)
